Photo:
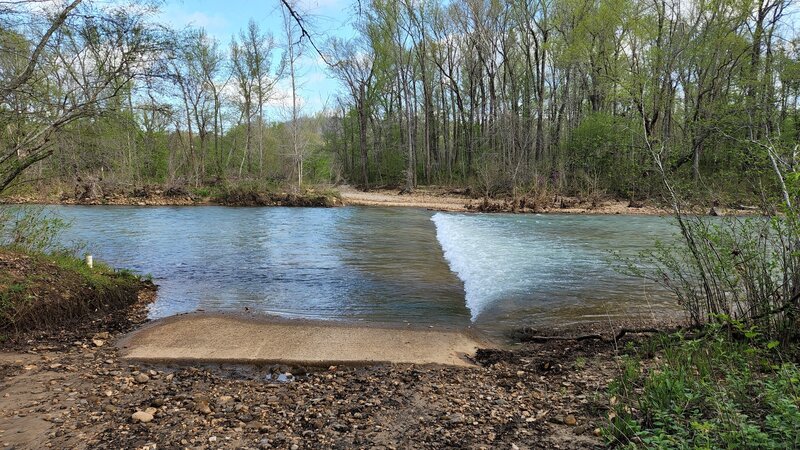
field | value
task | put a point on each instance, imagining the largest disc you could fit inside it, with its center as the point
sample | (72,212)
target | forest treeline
(507,97)
(570,94)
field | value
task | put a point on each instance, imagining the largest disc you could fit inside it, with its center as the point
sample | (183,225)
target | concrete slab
(214,338)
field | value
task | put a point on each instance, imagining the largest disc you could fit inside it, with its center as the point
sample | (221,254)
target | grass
(100,276)
(45,291)
(721,390)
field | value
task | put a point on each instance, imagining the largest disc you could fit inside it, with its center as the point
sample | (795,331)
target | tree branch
(37,52)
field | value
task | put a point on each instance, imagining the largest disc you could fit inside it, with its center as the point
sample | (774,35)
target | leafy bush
(31,229)
(600,156)
(709,392)
(741,268)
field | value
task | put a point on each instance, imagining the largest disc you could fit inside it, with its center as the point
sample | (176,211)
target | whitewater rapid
(491,257)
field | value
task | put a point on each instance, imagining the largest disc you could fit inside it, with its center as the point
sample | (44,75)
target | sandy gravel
(215,338)
(427,198)
(441,199)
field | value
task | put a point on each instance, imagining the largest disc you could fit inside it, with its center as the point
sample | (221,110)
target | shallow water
(494,272)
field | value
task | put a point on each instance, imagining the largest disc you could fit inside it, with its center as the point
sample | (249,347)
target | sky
(224,19)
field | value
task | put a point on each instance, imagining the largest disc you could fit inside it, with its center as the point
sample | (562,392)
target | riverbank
(458,200)
(77,394)
(157,196)
(69,387)
(446,199)
(435,198)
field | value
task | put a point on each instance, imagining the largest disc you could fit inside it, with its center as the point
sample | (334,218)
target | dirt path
(215,338)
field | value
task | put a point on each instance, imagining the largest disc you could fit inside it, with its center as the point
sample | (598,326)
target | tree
(354,67)
(293,51)
(251,58)
(65,68)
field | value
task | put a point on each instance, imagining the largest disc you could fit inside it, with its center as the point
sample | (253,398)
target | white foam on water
(484,263)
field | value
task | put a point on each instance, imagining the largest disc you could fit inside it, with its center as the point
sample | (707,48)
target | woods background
(521,97)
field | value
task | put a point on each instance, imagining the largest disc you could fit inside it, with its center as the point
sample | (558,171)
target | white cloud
(179,18)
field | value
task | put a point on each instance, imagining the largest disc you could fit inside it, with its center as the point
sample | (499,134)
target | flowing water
(494,272)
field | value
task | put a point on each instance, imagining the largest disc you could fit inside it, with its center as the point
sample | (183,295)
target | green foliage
(730,267)
(31,228)
(708,392)
(600,148)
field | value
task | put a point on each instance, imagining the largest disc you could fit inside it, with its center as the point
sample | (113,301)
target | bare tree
(354,67)
(84,56)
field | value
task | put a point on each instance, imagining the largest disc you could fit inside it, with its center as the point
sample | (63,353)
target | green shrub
(709,392)
(31,229)
(733,267)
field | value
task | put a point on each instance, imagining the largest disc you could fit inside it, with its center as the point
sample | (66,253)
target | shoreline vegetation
(435,198)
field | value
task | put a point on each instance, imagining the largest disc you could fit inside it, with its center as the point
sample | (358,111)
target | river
(494,272)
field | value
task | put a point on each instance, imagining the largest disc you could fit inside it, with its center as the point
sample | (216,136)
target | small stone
(225,399)
(212,439)
(98,342)
(201,406)
(241,407)
(142,378)
(55,366)
(169,377)
(456,418)
(142,416)
(570,420)
(597,432)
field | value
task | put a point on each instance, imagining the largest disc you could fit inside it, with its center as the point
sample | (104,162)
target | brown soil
(46,294)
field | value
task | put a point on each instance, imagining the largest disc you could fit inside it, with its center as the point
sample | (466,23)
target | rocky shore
(81,395)
(69,387)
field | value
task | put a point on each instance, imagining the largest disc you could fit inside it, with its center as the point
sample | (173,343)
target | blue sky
(224,19)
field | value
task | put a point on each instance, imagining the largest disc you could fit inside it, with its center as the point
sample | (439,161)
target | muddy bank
(52,296)
(157,196)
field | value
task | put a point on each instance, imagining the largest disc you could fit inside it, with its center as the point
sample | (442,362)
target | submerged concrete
(208,338)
